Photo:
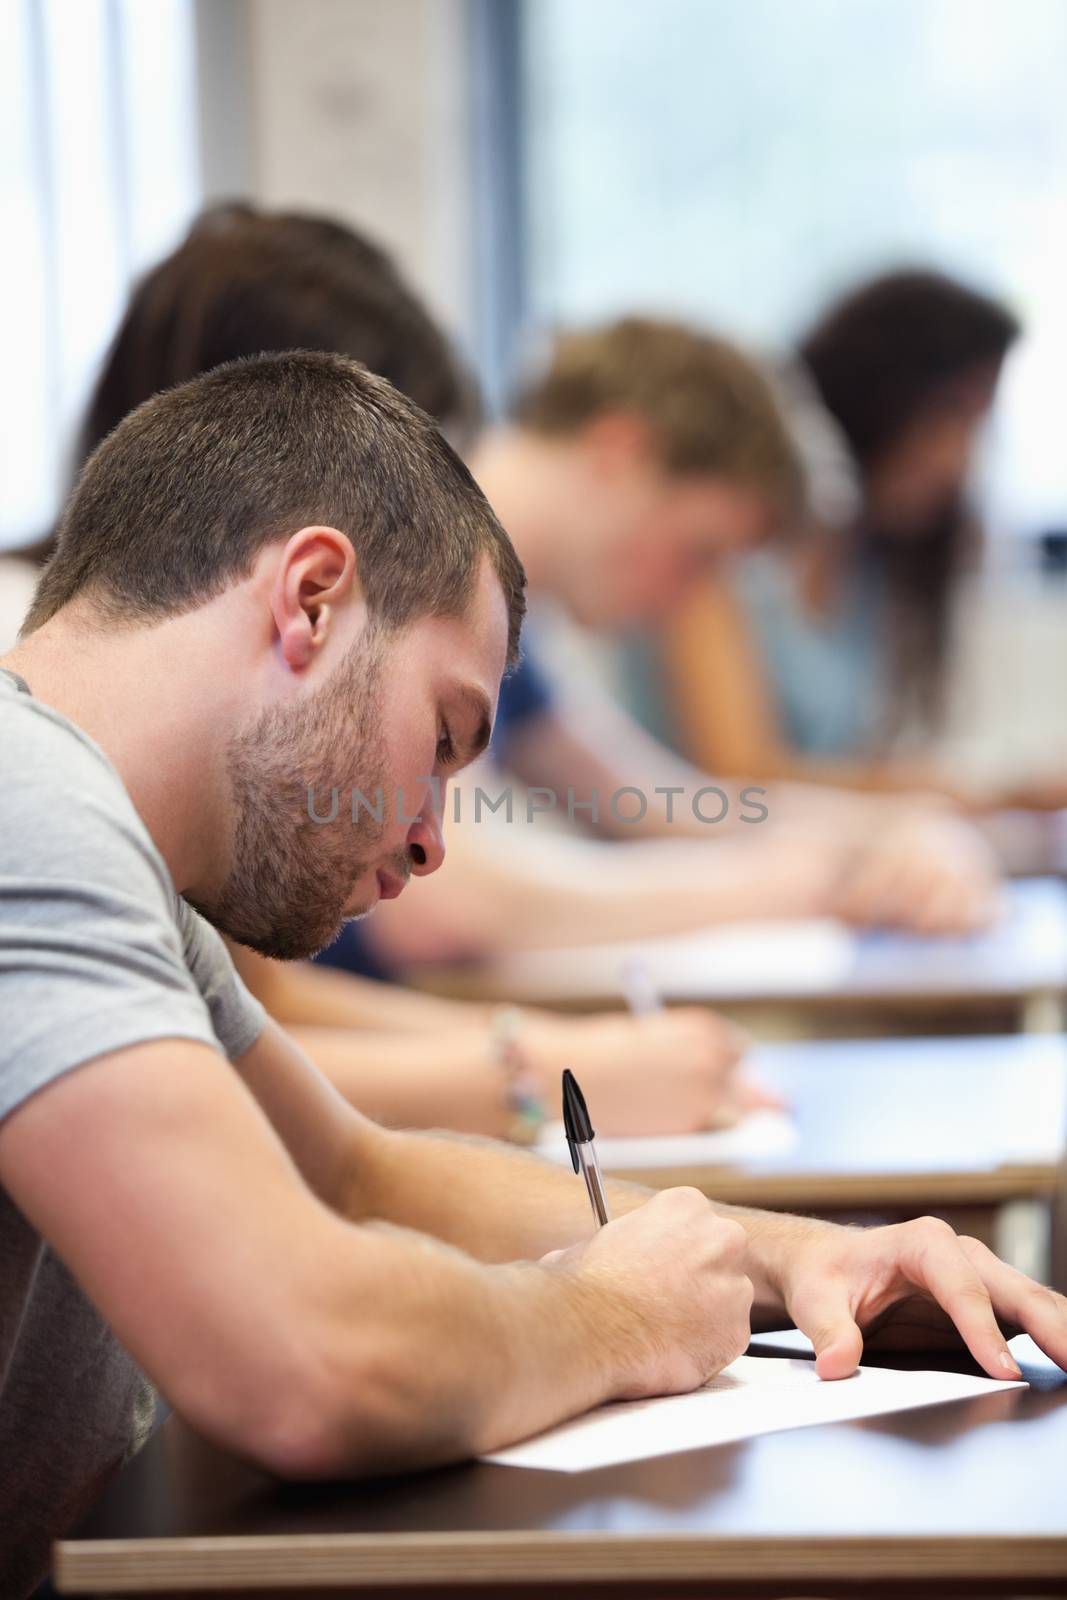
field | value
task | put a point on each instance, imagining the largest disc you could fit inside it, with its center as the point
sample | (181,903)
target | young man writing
(278,576)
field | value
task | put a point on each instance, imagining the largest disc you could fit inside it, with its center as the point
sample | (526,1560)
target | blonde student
(641,456)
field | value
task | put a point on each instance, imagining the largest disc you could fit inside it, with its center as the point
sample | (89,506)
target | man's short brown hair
(709,406)
(180,498)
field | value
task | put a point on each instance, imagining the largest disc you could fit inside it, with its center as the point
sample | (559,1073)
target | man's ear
(618,439)
(316,575)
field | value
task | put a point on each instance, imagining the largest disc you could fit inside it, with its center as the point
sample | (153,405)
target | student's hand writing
(929,872)
(671,1299)
(912,1285)
(675,1071)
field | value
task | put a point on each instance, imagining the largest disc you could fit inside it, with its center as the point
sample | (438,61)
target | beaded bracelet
(522,1088)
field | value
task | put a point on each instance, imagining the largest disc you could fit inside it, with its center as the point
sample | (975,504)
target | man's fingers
(1040,1312)
(935,1262)
(840,1356)
(822,1311)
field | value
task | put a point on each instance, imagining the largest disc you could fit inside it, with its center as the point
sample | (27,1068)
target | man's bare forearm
(433,1356)
(490,1200)
(502,1204)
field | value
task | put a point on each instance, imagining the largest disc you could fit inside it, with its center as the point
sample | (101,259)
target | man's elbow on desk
(336,1404)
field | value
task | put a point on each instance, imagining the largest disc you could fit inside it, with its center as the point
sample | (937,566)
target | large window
(739,160)
(98,173)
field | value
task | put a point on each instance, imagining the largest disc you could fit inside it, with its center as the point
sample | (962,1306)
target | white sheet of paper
(810,956)
(762,1133)
(754,1395)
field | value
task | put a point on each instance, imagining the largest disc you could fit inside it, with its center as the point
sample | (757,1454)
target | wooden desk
(974,1130)
(1017,970)
(962,1499)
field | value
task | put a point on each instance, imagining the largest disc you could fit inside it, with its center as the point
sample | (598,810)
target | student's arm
(675,1072)
(408,1060)
(242,1260)
(522,888)
(518,887)
(718,688)
(590,746)
(729,723)
(297,993)
(899,1284)
(317,1342)
(593,748)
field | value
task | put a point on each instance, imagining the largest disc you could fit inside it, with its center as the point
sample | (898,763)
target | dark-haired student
(315,1293)
(243,281)
(814,661)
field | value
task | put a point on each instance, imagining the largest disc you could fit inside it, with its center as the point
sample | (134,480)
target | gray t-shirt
(97,952)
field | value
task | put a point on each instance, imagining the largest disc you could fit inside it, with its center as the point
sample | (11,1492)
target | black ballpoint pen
(580,1136)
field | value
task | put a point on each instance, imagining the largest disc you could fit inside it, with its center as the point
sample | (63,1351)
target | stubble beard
(290,877)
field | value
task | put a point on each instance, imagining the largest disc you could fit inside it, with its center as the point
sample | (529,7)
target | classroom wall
(361,109)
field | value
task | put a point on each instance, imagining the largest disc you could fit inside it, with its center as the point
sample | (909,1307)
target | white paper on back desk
(758,1135)
(755,1394)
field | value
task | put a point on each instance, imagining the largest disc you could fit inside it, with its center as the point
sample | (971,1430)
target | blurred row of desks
(826,974)
(881,1124)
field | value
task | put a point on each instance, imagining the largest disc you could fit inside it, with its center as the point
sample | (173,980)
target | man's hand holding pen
(690,1273)
(672,1296)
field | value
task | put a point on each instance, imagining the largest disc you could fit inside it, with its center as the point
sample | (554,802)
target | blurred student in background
(643,453)
(243,282)
(641,456)
(826,658)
